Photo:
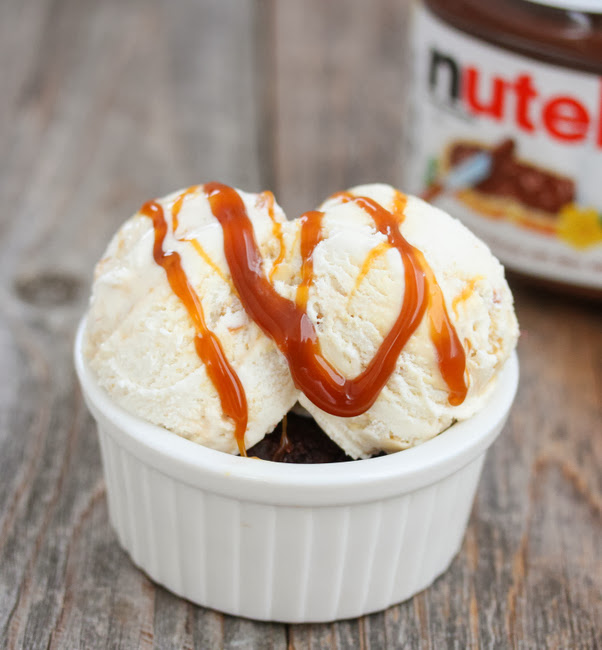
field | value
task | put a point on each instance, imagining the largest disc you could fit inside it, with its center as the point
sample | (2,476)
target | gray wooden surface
(106,104)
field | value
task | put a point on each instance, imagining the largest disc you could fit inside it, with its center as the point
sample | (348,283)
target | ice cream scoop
(359,288)
(167,335)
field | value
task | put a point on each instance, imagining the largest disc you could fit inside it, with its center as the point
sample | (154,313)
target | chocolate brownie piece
(307,443)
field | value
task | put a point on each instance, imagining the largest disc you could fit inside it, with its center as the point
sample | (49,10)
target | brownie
(307,443)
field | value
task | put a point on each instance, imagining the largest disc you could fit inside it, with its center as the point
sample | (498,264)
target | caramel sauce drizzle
(288,324)
(267,198)
(451,356)
(465,294)
(286,321)
(175,212)
(203,255)
(377,251)
(311,235)
(207,345)
(284,446)
(177,206)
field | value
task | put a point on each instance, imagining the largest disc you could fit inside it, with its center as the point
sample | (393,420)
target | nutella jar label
(512,147)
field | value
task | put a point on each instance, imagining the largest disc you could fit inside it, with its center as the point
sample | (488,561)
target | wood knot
(48,288)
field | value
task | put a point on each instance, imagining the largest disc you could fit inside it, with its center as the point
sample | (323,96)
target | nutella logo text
(516,100)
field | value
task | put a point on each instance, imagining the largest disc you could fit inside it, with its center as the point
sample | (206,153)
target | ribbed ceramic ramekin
(291,543)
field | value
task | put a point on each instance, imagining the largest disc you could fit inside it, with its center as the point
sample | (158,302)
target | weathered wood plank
(340,97)
(106,104)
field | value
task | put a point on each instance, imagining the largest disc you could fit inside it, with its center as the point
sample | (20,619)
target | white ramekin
(283,542)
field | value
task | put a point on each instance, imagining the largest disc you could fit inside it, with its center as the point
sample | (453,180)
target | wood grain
(105,104)
(339,69)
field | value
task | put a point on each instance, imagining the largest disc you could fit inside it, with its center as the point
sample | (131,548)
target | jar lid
(589,6)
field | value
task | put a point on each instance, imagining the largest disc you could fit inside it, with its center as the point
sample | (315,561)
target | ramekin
(283,542)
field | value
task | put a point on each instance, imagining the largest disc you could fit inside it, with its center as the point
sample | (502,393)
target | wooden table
(106,104)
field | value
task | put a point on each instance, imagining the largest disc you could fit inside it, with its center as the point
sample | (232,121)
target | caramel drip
(465,293)
(267,198)
(451,356)
(450,353)
(468,345)
(207,345)
(177,206)
(377,251)
(284,445)
(311,230)
(207,259)
(398,202)
(288,324)
(175,212)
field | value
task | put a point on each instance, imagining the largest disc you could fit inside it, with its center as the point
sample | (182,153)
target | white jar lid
(589,6)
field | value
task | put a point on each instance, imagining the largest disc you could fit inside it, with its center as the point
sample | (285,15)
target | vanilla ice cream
(140,338)
(208,307)
(356,295)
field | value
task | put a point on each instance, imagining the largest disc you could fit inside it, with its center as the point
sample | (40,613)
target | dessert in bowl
(211,315)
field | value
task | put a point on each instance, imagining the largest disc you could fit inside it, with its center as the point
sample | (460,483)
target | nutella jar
(505,129)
